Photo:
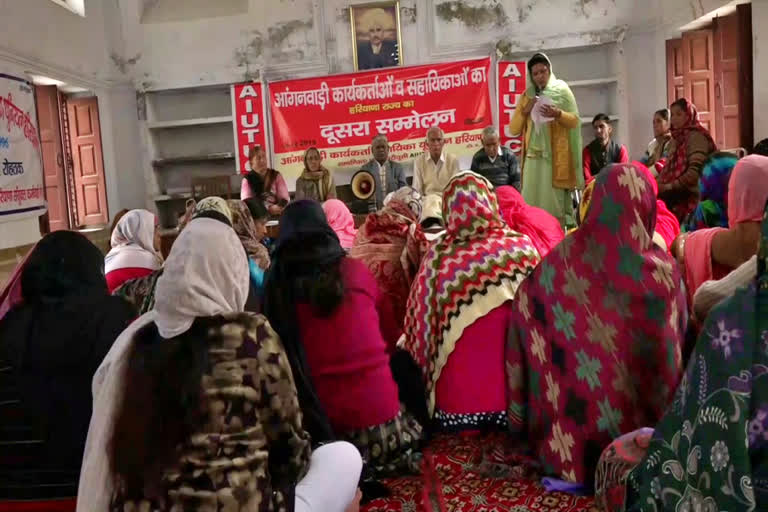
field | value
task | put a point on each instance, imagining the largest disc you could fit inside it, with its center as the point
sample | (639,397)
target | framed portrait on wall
(376,38)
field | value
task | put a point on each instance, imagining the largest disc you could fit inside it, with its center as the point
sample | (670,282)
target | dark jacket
(395,179)
(387,56)
(504,170)
(48,354)
(595,157)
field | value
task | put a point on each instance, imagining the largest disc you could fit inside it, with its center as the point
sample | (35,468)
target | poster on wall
(510,87)
(340,114)
(249,123)
(21,175)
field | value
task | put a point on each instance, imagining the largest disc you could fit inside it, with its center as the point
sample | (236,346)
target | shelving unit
(164,162)
(188,132)
(593,81)
(179,123)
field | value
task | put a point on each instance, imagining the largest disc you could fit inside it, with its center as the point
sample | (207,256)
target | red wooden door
(675,89)
(699,75)
(727,82)
(53,157)
(85,140)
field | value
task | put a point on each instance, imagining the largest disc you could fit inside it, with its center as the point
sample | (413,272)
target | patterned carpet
(475,474)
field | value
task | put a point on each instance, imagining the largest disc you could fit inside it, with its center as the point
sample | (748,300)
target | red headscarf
(667,224)
(676,165)
(543,229)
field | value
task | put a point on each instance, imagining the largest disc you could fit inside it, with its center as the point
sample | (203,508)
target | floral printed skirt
(391,448)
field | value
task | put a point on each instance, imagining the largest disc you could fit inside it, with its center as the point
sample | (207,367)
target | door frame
(97,134)
(100,88)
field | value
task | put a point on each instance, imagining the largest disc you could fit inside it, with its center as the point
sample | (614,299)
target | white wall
(40,37)
(760,68)
(293,38)
(646,85)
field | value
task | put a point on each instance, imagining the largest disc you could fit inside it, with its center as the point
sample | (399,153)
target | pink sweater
(278,191)
(473,379)
(348,353)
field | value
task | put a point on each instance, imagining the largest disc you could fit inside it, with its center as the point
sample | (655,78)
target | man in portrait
(379,49)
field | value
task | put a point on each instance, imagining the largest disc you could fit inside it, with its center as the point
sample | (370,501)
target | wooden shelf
(173,197)
(588,120)
(161,162)
(202,121)
(593,81)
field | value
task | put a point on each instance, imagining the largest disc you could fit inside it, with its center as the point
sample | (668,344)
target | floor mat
(475,474)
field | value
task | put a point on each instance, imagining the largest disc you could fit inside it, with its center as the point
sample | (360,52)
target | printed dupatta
(677,163)
(600,321)
(392,244)
(472,269)
(710,451)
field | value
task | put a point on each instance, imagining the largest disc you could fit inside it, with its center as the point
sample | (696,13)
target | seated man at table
(434,169)
(388,175)
(495,162)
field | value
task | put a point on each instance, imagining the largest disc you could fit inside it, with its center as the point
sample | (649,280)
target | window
(76,6)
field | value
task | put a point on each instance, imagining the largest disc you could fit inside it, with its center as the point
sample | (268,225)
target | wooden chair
(218,186)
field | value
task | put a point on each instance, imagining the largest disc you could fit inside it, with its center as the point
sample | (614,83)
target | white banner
(21,174)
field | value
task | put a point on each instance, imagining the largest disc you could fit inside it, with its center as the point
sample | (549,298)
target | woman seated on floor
(596,332)
(339,332)
(709,254)
(341,221)
(712,210)
(458,310)
(141,291)
(667,226)
(543,229)
(135,249)
(195,407)
(50,346)
(708,452)
(392,244)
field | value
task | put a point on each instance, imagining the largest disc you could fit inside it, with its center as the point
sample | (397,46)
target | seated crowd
(628,356)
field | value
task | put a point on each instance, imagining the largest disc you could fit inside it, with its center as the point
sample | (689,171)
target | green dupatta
(563,99)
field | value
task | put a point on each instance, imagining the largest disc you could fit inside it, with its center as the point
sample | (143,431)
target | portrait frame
(358,13)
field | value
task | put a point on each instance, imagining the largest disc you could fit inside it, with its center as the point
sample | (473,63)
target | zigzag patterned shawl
(473,268)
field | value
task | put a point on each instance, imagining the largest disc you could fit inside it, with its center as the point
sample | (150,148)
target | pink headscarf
(747,193)
(341,221)
(667,225)
(543,229)
(747,190)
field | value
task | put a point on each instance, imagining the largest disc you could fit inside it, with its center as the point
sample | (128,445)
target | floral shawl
(392,244)
(242,223)
(708,453)
(600,321)
(473,268)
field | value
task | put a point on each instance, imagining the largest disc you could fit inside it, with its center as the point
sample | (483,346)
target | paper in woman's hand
(537,115)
